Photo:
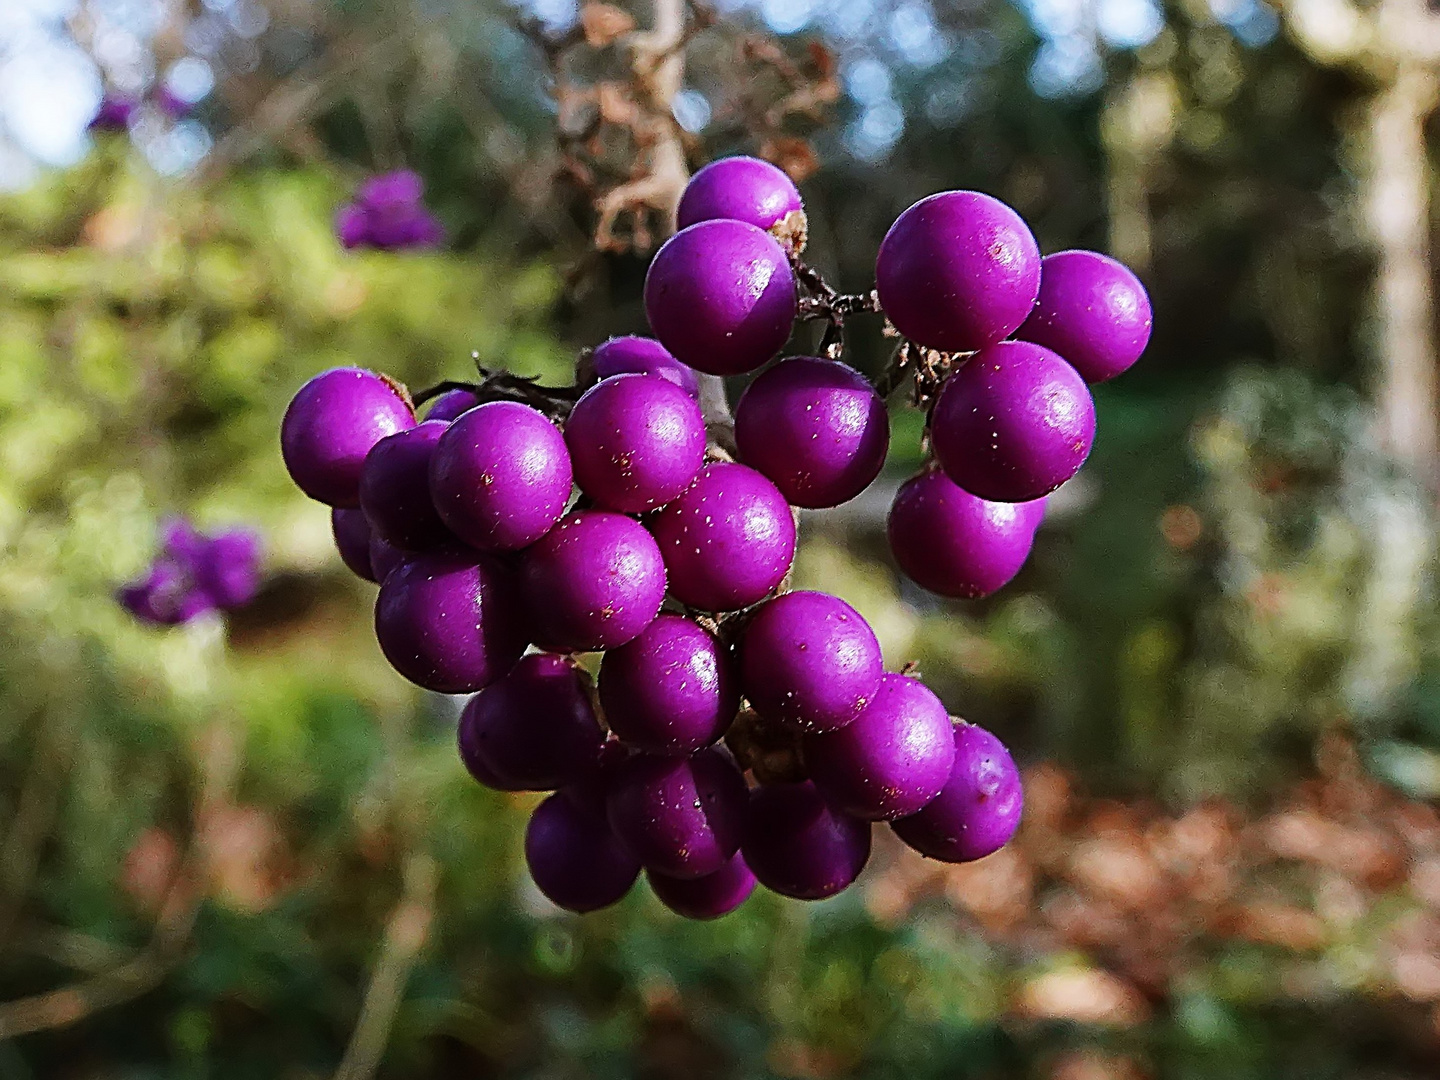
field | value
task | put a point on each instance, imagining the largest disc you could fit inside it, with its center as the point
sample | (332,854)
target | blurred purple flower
(115,113)
(389,213)
(194,574)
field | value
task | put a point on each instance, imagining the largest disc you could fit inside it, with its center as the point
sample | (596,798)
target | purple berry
(395,489)
(957,544)
(728,541)
(1013,423)
(720,296)
(892,760)
(979,808)
(384,557)
(595,582)
(451,404)
(1092,311)
(958,271)
(680,817)
(330,426)
(739,189)
(501,476)
(450,621)
(708,897)
(816,428)
(115,113)
(670,691)
(636,441)
(643,356)
(533,729)
(228,568)
(798,846)
(166,596)
(810,661)
(574,857)
(352,540)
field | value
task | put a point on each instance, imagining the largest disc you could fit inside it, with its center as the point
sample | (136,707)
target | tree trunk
(1397,209)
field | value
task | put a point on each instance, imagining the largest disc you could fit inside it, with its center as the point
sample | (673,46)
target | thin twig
(405,935)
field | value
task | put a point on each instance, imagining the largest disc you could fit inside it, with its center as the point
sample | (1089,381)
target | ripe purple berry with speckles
(352,540)
(679,816)
(892,760)
(708,897)
(810,661)
(574,857)
(395,489)
(331,424)
(797,845)
(594,582)
(673,690)
(533,729)
(958,271)
(451,404)
(816,428)
(636,441)
(450,621)
(728,541)
(1013,423)
(957,544)
(720,296)
(501,476)
(978,810)
(740,189)
(1092,311)
(642,356)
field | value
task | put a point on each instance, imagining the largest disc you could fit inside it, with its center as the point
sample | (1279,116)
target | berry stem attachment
(554,401)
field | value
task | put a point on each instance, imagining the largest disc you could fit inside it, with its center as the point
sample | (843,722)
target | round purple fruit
(958,271)
(501,477)
(352,540)
(816,428)
(957,544)
(978,810)
(642,356)
(636,441)
(892,760)
(673,690)
(594,582)
(450,621)
(728,541)
(707,897)
(1013,423)
(810,661)
(395,488)
(680,817)
(574,857)
(739,189)
(331,424)
(451,404)
(720,296)
(533,729)
(797,845)
(1092,311)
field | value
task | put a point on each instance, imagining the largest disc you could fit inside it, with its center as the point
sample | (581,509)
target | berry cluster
(389,214)
(673,558)
(194,574)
